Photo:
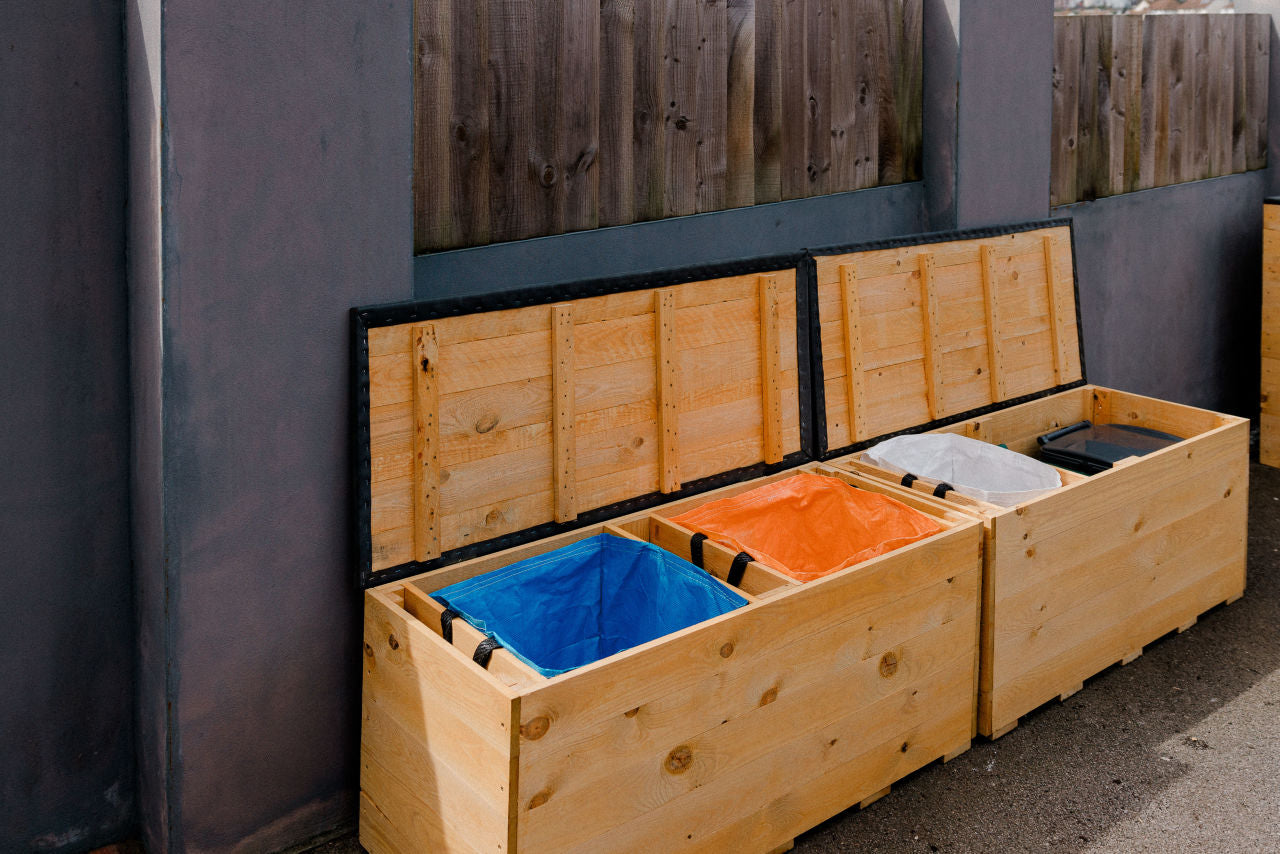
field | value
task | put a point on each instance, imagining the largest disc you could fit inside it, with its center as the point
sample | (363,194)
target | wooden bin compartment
(1085,576)
(735,734)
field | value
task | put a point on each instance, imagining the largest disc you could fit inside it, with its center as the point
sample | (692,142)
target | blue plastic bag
(587,601)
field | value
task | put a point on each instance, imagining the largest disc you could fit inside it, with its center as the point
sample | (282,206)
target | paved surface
(1177,752)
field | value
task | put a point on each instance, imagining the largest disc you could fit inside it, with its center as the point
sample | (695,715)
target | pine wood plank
(1066,100)
(932,352)
(579,73)
(995,348)
(433,66)
(502,664)
(770,370)
(426,446)
(740,119)
(767,134)
(616,170)
(757,578)
(564,448)
(1257,64)
(470,168)
(853,352)
(789,699)
(668,385)
(649,150)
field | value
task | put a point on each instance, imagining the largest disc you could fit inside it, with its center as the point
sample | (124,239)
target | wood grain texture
(538,414)
(1153,100)
(536,119)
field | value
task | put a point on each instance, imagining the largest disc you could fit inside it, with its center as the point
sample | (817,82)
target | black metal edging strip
(413,311)
(808,272)
(361,447)
(365,318)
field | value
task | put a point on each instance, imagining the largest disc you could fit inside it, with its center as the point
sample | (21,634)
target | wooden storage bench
(1085,576)
(735,734)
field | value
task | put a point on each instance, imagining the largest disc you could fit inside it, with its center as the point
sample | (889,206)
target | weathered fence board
(1147,101)
(539,118)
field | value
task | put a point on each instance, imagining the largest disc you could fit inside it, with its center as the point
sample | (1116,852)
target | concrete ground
(1178,751)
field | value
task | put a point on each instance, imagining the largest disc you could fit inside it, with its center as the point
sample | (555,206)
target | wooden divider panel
(915,334)
(486,424)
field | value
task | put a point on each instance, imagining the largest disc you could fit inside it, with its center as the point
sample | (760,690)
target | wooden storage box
(1269,435)
(735,734)
(982,327)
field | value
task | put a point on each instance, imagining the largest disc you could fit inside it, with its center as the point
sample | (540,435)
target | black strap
(908,479)
(942,489)
(738,568)
(446,624)
(484,651)
(695,550)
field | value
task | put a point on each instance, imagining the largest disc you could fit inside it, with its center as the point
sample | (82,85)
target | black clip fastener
(738,568)
(695,549)
(446,624)
(484,651)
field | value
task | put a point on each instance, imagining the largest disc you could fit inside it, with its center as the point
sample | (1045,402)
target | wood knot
(631,713)
(536,728)
(888,664)
(1031,552)
(904,747)
(678,760)
(637,442)
(493,517)
(539,799)
(548,175)
(768,696)
(726,650)
(682,123)
(1227,494)
(392,642)
(368,650)
(487,422)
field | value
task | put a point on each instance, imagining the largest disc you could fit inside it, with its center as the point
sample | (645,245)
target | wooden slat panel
(616,169)
(740,146)
(668,384)
(1257,63)
(853,352)
(542,118)
(995,349)
(770,370)
(564,449)
(649,153)
(433,68)
(979,333)
(1126,103)
(577,132)
(538,414)
(426,446)
(469,138)
(767,108)
(932,351)
(1066,114)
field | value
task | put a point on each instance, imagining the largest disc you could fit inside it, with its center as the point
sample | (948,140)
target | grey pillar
(988,110)
(277,197)
(66,606)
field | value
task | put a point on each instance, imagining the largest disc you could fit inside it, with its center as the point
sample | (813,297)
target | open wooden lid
(484,423)
(935,328)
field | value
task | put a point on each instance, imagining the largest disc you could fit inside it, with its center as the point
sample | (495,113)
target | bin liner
(809,525)
(587,601)
(977,469)
(1090,448)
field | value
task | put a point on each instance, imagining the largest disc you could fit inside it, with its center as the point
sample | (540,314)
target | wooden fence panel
(539,118)
(1148,101)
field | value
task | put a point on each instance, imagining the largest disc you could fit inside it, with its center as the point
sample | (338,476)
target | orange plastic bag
(809,525)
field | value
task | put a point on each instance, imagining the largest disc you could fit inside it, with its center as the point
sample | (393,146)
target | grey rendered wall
(66,611)
(1170,284)
(284,173)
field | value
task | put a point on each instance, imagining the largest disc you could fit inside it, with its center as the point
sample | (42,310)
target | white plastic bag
(976,469)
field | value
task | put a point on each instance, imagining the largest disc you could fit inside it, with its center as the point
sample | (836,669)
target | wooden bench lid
(482,423)
(937,327)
